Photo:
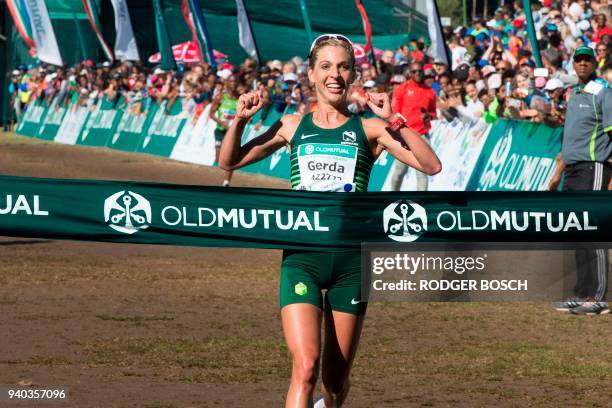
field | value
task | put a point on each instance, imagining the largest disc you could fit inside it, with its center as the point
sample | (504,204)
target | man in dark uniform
(587,154)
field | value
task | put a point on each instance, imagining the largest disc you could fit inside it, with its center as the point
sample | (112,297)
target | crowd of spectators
(492,72)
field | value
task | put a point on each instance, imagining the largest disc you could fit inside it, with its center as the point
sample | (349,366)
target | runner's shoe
(568,304)
(319,404)
(591,308)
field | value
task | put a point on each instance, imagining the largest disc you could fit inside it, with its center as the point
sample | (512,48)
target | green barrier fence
(505,156)
(517,156)
(102,123)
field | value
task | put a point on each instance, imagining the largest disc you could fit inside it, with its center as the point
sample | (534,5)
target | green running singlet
(337,159)
(330,159)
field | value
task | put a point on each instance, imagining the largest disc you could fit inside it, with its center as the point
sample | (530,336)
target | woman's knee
(305,369)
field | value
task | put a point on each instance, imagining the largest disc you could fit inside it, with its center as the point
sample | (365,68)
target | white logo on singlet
(349,136)
(307,136)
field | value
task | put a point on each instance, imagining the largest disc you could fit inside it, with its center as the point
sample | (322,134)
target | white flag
(125,44)
(437,50)
(247,41)
(43,34)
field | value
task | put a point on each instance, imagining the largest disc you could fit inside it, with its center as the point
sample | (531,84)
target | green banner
(31,119)
(131,126)
(102,123)
(163,38)
(517,156)
(52,121)
(161,135)
(151,213)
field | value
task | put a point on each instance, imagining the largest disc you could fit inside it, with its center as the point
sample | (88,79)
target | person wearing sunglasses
(416,101)
(586,152)
(331,150)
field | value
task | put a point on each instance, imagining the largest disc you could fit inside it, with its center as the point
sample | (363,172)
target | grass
(135,319)
(216,360)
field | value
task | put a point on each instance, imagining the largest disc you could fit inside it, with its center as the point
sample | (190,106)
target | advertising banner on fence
(52,121)
(165,126)
(458,144)
(72,125)
(518,156)
(196,143)
(30,121)
(264,218)
(102,122)
(508,155)
(131,126)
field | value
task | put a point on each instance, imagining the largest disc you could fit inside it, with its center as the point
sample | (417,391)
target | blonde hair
(334,42)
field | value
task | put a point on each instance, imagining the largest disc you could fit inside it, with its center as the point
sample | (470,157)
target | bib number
(327,167)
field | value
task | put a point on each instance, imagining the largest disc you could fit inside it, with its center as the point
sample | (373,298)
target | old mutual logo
(127,212)
(496,162)
(404,221)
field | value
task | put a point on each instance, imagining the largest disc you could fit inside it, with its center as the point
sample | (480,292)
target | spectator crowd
(492,72)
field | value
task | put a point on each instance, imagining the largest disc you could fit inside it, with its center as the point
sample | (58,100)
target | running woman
(223,111)
(331,150)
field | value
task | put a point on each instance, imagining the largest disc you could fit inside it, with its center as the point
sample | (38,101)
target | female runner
(335,136)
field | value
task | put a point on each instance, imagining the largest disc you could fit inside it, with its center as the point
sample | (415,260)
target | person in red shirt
(417,103)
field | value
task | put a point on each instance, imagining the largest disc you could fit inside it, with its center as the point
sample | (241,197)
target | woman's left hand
(380,104)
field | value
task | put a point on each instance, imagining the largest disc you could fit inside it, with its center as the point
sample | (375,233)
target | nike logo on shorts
(355,302)
(307,136)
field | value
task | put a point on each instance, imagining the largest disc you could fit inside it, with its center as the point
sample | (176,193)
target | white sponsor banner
(245,35)
(71,127)
(458,145)
(125,44)
(42,31)
(437,50)
(196,143)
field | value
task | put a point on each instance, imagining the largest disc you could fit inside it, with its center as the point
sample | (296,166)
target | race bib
(327,167)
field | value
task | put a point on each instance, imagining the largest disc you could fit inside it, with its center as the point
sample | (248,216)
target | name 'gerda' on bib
(327,167)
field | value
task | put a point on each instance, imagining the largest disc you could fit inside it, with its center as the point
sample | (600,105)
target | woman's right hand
(249,104)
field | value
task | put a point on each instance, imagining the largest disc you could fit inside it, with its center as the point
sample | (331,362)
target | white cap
(158,71)
(16,72)
(290,77)
(458,30)
(83,72)
(494,81)
(106,64)
(369,84)
(224,74)
(275,64)
(553,84)
(491,23)
(488,69)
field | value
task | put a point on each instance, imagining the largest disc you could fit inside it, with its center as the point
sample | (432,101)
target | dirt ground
(153,326)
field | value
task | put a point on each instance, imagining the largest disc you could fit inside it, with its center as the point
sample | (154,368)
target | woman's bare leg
(302,328)
(342,331)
